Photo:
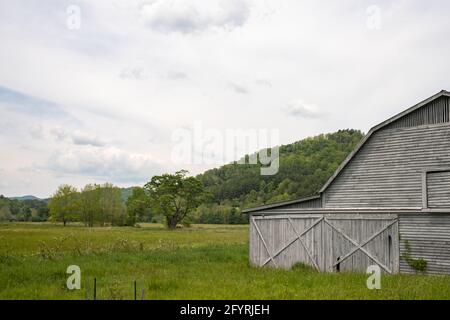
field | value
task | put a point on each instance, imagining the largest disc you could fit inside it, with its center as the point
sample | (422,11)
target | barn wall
(438,189)
(387,170)
(309,204)
(327,238)
(435,112)
(428,236)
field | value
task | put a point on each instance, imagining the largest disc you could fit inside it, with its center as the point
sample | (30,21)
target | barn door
(325,242)
(354,243)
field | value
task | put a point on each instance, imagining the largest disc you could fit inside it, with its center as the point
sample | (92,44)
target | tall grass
(205,262)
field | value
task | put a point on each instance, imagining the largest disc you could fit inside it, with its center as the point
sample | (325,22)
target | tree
(137,206)
(64,204)
(93,205)
(5,214)
(175,196)
(111,207)
(89,204)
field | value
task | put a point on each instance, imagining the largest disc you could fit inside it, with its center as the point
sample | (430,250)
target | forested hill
(28,208)
(304,167)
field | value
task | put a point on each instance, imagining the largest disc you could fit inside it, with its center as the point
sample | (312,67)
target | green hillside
(304,167)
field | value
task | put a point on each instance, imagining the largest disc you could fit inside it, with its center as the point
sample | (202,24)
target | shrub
(419,264)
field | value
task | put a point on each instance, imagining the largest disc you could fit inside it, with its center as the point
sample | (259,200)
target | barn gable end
(387,170)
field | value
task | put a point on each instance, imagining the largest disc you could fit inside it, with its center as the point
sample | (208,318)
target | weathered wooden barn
(388,204)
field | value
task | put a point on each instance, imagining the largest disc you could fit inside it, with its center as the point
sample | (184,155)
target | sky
(102,91)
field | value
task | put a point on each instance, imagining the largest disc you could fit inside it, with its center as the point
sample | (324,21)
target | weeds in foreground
(197,264)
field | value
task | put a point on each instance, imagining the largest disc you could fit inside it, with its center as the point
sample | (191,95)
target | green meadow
(200,262)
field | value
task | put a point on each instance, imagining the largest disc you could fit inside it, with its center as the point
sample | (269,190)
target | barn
(387,204)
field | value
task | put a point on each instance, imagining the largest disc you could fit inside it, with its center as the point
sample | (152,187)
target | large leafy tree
(64,204)
(175,196)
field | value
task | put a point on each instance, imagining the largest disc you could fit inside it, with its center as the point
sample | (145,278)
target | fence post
(95,288)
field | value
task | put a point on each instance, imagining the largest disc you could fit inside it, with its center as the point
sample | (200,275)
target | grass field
(201,262)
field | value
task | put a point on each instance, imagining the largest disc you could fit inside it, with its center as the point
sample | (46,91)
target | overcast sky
(93,91)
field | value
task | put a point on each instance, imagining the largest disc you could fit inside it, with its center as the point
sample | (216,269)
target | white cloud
(238,88)
(263,82)
(59,133)
(133,73)
(37,132)
(188,16)
(77,137)
(80,138)
(176,75)
(3,182)
(298,108)
(112,164)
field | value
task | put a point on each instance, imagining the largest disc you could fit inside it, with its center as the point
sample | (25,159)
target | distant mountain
(126,193)
(27,197)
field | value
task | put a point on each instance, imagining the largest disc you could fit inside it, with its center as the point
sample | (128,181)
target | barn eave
(353,211)
(280,204)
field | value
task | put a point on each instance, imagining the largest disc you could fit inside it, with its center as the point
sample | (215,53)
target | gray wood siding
(310,204)
(428,236)
(387,170)
(326,238)
(438,189)
(435,112)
